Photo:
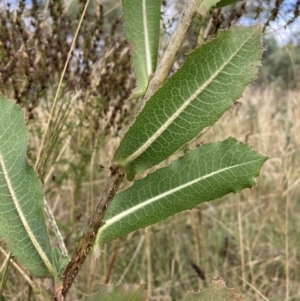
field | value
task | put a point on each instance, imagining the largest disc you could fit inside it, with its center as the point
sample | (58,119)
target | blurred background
(251,240)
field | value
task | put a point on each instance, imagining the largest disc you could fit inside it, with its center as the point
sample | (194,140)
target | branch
(173,47)
(94,224)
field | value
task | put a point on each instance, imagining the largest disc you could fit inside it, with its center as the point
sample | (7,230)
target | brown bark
(94,224)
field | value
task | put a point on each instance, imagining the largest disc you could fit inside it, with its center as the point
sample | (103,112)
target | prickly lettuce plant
(173,112)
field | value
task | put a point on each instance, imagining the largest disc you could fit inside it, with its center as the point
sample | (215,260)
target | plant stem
(173,47)
(95,222)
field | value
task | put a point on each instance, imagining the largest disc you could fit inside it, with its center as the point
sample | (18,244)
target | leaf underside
(207,85)
(22,223)
(203,174)
(142,27)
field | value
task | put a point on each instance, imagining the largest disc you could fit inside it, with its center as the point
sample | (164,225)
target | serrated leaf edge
(120,216)
(36,244)
(147,144)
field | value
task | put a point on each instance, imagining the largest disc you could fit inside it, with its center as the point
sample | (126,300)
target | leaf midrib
(127,212)
(147,42)
(23,218)
(147,144)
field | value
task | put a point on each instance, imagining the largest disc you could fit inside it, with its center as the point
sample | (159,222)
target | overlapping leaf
(22,224)
(208,83)
(141,26)
(206,173)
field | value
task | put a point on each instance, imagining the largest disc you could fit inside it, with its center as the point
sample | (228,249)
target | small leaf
(207,85)
(22,223)
(216,291)
(142,26)
(205,6)
(60,262)
(203,174)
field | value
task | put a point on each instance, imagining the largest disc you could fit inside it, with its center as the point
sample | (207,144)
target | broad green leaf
(204,174)
(22,223)
(216,291)
(207,85)
(142,26)
(205,6)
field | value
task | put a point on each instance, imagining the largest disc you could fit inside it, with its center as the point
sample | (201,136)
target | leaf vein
(189,100)
(133,209)
(23,218)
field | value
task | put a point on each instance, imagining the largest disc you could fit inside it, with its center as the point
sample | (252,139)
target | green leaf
(223,3)
(142,27)
(216,291)
(208,83)
(203,174)
(22,223)
(60,263)
(205,6)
